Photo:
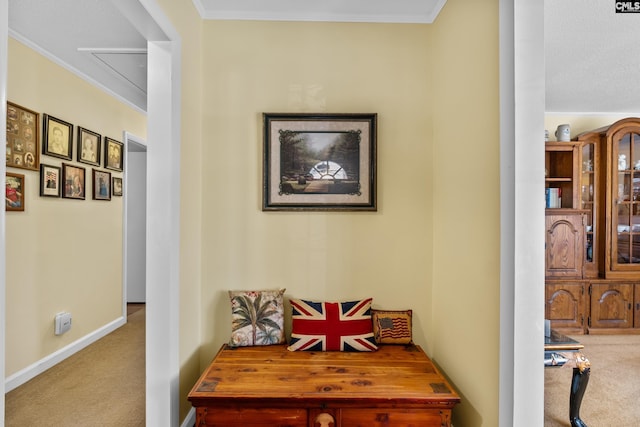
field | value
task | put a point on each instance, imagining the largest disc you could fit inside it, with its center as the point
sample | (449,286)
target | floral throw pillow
(332,326)
(257,317)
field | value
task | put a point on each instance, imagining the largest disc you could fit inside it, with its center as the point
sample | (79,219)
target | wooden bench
(396,386)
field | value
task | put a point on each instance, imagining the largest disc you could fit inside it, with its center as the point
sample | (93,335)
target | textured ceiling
(592,54)
(592,57)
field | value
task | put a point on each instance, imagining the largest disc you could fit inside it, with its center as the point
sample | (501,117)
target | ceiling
(592,54)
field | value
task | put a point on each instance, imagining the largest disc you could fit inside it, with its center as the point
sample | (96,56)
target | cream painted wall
(433,245)
(62,254)
(466,203)
(316,67)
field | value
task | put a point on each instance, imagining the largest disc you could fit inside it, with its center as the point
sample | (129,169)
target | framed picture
(14,192)
(101,185)
(23,142)
(49,181)
(58,136)
(319,162)
(113,154)
(117,186)
(73,181)
(88,147)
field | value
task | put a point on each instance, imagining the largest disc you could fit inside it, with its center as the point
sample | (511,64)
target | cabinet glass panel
(627,221)
(624,152)
(635,164)
(587,197)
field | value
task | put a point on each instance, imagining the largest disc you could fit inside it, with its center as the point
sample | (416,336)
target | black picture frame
(113,154)
(116,186)
(57,138)
(101,185)
(73,182)
(88,146)
(50,180)
(319,162)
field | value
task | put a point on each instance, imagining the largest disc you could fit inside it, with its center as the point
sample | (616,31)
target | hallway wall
(62,254)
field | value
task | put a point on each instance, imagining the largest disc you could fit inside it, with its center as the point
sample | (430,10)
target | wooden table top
(265,375)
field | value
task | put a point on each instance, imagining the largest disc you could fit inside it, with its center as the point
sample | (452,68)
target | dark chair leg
(579,383)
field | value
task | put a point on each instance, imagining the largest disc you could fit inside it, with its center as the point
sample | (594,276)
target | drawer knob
(324,419)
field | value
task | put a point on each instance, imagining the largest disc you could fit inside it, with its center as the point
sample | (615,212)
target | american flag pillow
(332,326)
(392,326)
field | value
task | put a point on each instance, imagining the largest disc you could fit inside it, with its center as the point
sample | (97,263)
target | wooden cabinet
(598,175)
(566,305)
(269,386)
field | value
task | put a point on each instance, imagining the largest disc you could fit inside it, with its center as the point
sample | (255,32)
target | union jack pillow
(332,326)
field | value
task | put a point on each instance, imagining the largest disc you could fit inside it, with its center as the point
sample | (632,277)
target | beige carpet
(612,396)
(101,385)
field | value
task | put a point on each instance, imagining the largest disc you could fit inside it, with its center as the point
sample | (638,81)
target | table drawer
(380,417)
(247,417)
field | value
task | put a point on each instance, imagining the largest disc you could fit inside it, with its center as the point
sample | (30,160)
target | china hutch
(592,230)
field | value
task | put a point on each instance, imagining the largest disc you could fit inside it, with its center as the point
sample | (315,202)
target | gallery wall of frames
(92,163)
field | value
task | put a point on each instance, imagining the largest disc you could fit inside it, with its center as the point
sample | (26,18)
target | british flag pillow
(331,326)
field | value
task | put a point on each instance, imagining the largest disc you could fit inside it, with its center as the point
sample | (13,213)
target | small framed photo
(88,147)
(319,162)
(101,185)
(23,143)
(58,136)
(117,186)
(113,154)
(14,192)
(73,182)
(49,180)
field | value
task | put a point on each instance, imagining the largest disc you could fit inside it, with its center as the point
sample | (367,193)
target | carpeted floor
(101,385)
(611,398)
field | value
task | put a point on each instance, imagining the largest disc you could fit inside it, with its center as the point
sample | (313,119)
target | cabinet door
(565,306)
(611,305)
(564,241)
(624,249)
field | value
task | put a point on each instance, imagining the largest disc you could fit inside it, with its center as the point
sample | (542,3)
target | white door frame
(4,46)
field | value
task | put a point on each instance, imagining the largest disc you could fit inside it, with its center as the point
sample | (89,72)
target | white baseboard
(53,359)
(190,419)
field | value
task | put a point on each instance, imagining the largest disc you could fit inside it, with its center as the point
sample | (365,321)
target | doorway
(164,88)
(134,220)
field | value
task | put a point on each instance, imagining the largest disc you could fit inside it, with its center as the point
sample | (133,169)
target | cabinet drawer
(380,417)
(247,417)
